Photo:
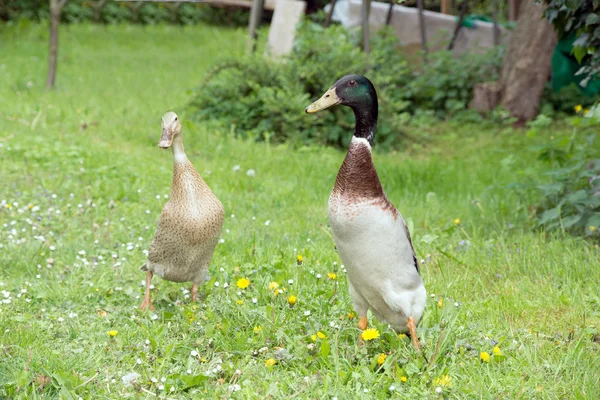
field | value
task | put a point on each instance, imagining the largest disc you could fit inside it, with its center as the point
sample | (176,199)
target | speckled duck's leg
(360,306)
(412,327)
(194,292)
(147,303)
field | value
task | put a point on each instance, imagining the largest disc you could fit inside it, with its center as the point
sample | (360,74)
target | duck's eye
(352,83)
(175,118)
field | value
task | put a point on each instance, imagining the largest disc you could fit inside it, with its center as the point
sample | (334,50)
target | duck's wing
(164,244)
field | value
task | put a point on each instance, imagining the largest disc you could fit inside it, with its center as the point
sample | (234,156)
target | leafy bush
(265,99)
(116,12)
(572,199)
(582,19)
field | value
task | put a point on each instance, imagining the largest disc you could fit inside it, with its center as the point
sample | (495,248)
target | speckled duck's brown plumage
(188,227)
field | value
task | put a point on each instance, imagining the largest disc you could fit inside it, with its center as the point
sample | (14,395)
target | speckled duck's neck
(178,150)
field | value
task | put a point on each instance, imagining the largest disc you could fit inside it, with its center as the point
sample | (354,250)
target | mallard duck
(371,237)
(190,223)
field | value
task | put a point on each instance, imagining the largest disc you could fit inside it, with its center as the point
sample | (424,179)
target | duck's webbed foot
(412,327)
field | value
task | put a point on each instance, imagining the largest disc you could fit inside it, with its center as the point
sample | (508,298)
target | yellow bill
(329,99)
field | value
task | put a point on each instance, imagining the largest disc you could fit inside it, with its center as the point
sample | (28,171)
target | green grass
(85,182)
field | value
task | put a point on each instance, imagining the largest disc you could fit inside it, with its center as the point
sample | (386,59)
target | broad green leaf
(592,19)
(324,348)
(428,238)
(570,221)
(579,52)
(549,215)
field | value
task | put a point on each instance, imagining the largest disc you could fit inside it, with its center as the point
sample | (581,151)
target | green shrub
(265,99)
(571,201)
(118,12)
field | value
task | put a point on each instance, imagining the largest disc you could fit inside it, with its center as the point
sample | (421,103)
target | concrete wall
(439,28)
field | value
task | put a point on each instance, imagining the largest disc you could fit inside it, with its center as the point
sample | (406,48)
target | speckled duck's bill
(166,139)
(329,99)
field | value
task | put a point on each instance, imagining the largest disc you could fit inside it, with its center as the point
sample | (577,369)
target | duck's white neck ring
(360,140)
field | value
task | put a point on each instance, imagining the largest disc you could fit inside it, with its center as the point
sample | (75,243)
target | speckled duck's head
(171,128)
(358,93)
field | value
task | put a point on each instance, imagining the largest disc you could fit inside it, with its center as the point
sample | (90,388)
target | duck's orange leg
(362,323)
(147,303)
(412,327)
(194,292)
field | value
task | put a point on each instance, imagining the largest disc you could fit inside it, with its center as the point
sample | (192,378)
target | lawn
(82,183)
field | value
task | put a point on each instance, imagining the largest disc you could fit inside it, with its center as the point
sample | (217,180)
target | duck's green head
(354,91)
(358,93)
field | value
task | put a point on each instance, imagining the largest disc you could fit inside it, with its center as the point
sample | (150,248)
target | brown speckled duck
(190,223)
(369,232)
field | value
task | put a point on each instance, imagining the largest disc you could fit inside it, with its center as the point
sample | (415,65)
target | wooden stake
(55,9)
(422,27)
(255,18)
(330,13)
(366,8)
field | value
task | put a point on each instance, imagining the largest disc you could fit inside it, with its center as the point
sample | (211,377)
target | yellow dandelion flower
(444,380)
(30,206)
(313,337)
(270,362)
(292,300)
(350,315)
(273,285)
(402,335)
(243,283)
(457,221)
(592,228)
(257,329)
(370,334)
(321,335)
(202,359)
(578,108)
(112,333)
(440,303)
(9,206)
(497,351)
(299,259)
(332,275)
(484,356)
(403,378)
(239,302)
(102,313)
(381,359)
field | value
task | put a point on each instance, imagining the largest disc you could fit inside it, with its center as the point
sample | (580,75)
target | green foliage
(580,18)
(117,12)
(571,200)
(265,99)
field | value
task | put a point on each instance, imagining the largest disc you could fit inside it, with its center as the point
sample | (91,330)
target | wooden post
(422,27)
(98,9)
(461,17)
(513,9)
(446,7)
(255,17)
(366,7)
(330,13)
(55,9)
(496,30)
(388,18)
